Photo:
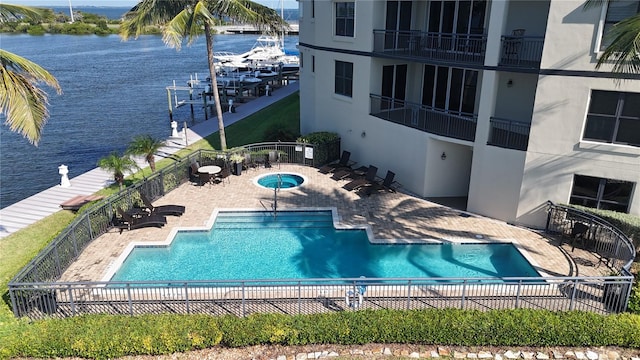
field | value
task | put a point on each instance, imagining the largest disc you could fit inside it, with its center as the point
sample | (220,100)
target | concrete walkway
(37,207)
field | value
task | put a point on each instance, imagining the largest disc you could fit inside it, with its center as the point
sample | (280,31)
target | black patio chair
(129,222)
(344,162)
(368,179)
(175,210)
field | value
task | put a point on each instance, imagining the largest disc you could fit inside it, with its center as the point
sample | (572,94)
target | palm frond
(150,12)
(624,49)
(9,12)
(21,100)
(249,12)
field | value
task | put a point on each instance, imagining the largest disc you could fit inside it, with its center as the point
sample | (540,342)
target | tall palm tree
(624,49)
(147,146)
(22,101)
(118,165)
(186,19)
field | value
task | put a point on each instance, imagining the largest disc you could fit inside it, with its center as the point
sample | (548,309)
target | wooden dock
(37,207)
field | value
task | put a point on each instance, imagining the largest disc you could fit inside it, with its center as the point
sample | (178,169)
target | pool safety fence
(592,233)
(35,291)
(241,298)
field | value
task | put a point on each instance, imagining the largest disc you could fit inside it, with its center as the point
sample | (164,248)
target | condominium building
(499,101)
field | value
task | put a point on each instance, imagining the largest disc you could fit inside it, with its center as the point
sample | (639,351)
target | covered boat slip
(601,295)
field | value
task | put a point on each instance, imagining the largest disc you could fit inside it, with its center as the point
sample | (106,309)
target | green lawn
(19,248)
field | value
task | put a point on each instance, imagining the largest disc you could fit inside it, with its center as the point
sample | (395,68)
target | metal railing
(521,51)
(593,233)
(510,134)
(422,117)
(295,296)
(35,292)
(458,48)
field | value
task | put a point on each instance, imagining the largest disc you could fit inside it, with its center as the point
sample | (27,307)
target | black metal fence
(422,117)
(420,45)
(592,233)
(293,296)
(35,292)
(509,134)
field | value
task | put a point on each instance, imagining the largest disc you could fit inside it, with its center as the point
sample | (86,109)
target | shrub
(318,138)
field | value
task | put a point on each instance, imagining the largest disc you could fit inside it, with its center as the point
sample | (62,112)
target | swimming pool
(304,245)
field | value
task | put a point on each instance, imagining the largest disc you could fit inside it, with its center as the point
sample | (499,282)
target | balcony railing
(457,48)
(510,134)
(521,51)
(422,117)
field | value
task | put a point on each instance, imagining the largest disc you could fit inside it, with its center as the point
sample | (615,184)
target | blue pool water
(286,181)
(298,245)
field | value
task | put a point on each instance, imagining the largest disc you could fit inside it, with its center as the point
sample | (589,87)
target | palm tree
(185,20)
(624,48)
(22,101)
(146,146)
(118,165)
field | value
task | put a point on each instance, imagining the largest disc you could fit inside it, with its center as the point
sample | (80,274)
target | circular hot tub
(280,180)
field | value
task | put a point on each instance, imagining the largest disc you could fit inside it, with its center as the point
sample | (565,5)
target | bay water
(113,90)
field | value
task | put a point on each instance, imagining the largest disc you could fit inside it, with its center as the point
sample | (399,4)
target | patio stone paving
(395,217)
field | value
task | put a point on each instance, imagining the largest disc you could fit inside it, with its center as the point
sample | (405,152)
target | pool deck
(394,217)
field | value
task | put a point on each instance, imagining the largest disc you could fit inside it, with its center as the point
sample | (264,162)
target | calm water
(302,245)
(113,90)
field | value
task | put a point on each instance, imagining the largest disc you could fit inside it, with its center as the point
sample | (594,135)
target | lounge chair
(129,222)
(344,162)
(368,179)
(388,184)
(347,173)
(175,210)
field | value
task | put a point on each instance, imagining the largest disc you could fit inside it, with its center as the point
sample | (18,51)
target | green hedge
(103,336)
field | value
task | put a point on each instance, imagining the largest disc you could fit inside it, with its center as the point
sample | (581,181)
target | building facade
(496,101)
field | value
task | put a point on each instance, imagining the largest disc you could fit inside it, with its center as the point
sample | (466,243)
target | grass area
(17,249)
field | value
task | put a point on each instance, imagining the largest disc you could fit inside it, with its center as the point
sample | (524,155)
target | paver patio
(395,217)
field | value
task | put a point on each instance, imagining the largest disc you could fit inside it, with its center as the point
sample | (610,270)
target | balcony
(509,134)
(522,52)
(421,117)
(430,47)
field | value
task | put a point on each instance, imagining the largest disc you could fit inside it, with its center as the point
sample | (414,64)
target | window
(450,89)
(345,15)
(313,63)
(599,193)
(344,78)
(617,11)
(313,8)
(614,117)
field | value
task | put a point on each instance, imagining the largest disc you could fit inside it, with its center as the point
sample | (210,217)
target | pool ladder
(275,197)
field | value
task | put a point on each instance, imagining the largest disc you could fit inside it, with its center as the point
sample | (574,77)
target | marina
(112,92)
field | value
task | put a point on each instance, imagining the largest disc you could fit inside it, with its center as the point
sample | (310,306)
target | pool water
(281,180)
(299,245)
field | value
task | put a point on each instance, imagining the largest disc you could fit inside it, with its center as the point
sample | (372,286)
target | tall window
(345,18)
(614,117)
(459,17)
(600,193)
(617,11)
(344,78)
(450,89)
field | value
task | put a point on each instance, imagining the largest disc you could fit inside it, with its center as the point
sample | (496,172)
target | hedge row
(103,336)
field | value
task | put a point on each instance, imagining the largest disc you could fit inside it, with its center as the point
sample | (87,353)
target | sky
(288,4)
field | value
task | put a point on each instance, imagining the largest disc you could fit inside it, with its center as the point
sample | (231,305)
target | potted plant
(236,161)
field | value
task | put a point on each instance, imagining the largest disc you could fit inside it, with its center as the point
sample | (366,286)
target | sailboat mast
(71,11)
(282,16)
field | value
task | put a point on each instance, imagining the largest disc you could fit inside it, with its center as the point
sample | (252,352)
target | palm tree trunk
(214,85)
